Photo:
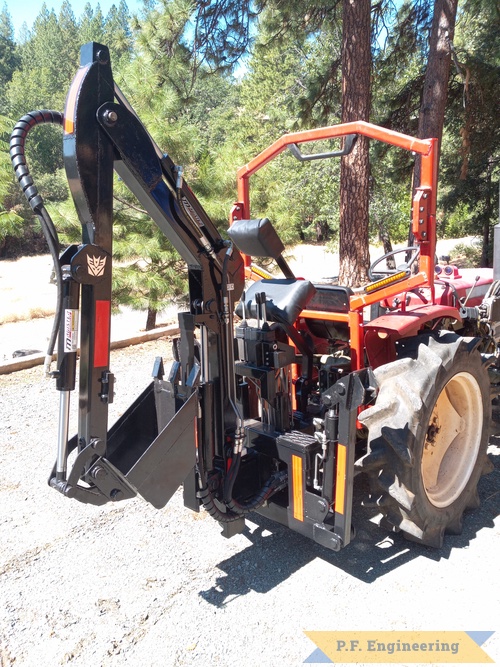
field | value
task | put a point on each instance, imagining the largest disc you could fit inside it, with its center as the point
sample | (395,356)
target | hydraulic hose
(275,483)
(207,499)
(17,155)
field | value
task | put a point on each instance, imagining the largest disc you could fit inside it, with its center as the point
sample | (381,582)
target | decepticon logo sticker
(96,265)
(424,647)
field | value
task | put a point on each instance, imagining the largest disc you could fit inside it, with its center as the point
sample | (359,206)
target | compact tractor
(282,390)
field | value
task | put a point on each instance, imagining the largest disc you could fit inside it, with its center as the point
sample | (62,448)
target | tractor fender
(382,332)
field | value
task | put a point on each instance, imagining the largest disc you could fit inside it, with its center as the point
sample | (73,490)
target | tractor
(282,389)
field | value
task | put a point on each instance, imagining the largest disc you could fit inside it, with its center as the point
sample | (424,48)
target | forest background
(216,81)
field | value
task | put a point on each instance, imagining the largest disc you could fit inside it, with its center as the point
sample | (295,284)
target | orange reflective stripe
(298,490)
(69,111)
(340,482)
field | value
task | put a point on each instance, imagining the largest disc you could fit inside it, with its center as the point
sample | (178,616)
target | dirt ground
(129,585)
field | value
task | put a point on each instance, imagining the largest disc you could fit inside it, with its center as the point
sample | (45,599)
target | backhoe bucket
(154,463)
(140,457)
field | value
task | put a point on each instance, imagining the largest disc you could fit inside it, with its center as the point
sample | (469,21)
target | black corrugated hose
(276,482)
(17,155)
(236,510)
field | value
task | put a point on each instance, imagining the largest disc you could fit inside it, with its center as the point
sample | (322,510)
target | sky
(27,10)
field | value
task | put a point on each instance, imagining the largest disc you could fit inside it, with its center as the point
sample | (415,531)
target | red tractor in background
(282,389)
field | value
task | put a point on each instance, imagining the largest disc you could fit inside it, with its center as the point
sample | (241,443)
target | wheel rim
(452,440)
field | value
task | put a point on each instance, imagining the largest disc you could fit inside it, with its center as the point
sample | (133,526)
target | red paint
(101,333)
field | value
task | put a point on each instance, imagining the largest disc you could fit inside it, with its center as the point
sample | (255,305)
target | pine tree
(91,25)
(118,34)
(48,60)
(158,82)
(471,150)
(10,221)
(355,171)
(9,59)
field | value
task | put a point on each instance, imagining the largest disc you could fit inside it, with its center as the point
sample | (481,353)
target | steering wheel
(415,250)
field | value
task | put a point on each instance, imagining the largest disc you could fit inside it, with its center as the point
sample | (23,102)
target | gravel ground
(130,585)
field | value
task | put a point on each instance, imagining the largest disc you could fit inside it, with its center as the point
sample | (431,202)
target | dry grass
(31,314)
(26,292)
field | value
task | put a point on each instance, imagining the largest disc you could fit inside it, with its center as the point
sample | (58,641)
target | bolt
(116,494)
(421,221)
(103,56)
(424,235)
(98,473)
(110,117)
(341,390)
(322,506)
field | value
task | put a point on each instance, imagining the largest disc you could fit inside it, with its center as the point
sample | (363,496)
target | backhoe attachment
(152,448)
(248,418)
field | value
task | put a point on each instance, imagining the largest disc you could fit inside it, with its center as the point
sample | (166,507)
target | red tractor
(282,389)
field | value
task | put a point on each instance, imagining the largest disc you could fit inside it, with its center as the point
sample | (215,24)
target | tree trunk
(435,93)
(386,244)
(151,319)
(355,168)
(487,220)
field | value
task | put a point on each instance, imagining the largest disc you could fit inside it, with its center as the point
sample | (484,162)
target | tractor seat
(286,298)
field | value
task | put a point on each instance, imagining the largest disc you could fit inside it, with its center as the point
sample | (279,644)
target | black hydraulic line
(209,504)
(235,510)
(275,483)
(17,155)
(207,499)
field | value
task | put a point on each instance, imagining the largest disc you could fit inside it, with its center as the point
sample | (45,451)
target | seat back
(286,298)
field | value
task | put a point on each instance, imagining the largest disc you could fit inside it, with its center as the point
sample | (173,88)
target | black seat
(286,298)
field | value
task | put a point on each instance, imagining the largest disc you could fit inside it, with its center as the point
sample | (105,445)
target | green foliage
(48,60)
(222,32)
(91,27)
(399,67)
(53,186)
(471,155)
(301,199)
(152,278)
(466,256)
(174,62)
(118,34)
(11,224)
(149,273)
(458,222)
(390,211)
(9,59)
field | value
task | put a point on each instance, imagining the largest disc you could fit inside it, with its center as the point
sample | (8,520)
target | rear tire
(427,436)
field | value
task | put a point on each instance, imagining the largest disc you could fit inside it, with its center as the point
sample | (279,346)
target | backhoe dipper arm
(102,133)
